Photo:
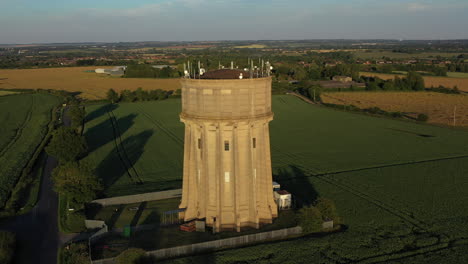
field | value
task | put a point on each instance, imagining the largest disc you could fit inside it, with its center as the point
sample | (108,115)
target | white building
(283,199)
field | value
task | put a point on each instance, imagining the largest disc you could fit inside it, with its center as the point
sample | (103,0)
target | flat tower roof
(225,74)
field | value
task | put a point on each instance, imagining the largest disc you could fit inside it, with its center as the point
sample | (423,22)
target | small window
(254,142)
(226,145)
(199,143)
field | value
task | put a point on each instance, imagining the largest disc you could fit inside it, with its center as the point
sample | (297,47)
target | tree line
(140,95)
(148,71)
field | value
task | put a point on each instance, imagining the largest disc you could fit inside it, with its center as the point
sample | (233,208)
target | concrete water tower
(227,177)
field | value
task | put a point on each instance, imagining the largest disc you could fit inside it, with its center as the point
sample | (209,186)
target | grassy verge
(69,221)
(24,195)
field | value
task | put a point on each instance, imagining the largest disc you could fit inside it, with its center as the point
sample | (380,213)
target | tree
(415,81)
(7,247)
(327,209)
(77,115)
(131,256)
(112,96)
(76,253)
(127,96)
(422,118)
(66,145)
(310,219)
(388,86)
(77,182)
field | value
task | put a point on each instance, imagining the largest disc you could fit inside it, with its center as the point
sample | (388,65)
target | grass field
(449,82)
(439,107)
(76,79)
(457,74)
(24,120)
(400,187)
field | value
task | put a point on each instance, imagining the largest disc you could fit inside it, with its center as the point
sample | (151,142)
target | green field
(24,120)
(401,187)
(457,74)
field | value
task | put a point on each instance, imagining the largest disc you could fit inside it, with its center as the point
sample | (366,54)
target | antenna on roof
(199,70)
(262,67)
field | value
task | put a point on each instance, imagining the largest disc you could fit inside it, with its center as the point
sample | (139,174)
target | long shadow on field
(295,181)
(101,111)
(138,214)
(103,133)
(120,161)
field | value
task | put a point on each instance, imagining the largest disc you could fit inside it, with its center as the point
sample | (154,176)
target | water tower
(227,177)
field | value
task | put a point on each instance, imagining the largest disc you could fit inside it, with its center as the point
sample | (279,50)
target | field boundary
(216,244)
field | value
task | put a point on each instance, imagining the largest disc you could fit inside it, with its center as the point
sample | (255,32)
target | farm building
(344,79)
(227,173)
(116,71)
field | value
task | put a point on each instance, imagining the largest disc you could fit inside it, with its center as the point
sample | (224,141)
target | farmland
(24,120)
(449,82)
(76,79)
(378,54)
(439,107)
(400,186)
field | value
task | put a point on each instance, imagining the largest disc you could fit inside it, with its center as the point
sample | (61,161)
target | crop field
(449,82)
(439,107)
(75,79)
(376,54)
(400,187)
(24,120)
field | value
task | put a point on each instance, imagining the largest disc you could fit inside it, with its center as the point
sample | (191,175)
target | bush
(131,256)
(310,219)
(422,117)
(7,247)
(75,254)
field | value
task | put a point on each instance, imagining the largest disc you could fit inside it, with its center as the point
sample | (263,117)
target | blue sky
(43,21)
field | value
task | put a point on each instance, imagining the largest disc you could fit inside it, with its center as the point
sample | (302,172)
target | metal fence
(139,198)
(216,244)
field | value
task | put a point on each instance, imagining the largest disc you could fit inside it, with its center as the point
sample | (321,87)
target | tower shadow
(298,183)
(103,133)
(120,161)
(100,111)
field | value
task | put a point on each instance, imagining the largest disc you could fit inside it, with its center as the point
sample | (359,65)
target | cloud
(415,7)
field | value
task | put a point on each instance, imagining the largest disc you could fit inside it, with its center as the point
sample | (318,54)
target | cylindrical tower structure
(227,177)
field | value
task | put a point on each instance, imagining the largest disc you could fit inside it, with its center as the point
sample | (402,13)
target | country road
(37,231)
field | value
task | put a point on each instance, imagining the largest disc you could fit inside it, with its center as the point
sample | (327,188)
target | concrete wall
(216,244)
(139,198)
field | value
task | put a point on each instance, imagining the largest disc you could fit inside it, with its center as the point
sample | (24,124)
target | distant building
(116,71)
(342,79)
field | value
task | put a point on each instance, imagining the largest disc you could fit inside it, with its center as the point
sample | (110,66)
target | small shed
(276,186)
(283,199)
(327,224)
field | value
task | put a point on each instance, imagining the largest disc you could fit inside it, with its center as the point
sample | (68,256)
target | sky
(61,21)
